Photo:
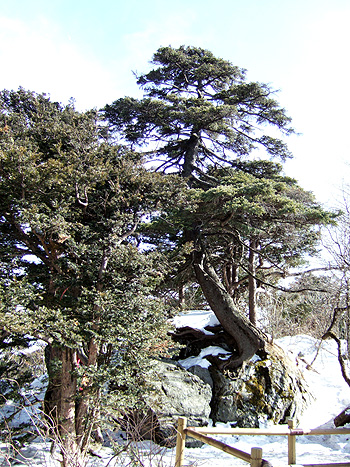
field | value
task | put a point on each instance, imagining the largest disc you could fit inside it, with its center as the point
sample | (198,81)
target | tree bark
(190,154)
(60,404)
(181,296)
(87,406)
(248,338)
(252,282)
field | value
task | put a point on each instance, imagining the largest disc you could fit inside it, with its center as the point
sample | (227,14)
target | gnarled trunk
(68,407)
(252,282)
(190,155)
(248,338)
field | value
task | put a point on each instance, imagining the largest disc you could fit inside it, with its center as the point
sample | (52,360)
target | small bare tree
(337,244)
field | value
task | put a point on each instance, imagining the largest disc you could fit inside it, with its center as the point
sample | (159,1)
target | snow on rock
(196,319)
(200,360)
(332,395)
(28,408)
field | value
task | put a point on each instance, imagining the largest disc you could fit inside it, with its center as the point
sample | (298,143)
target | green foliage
(73,271)
(199,109)
(247,205)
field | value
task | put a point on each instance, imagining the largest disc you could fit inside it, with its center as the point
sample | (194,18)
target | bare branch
(341,360)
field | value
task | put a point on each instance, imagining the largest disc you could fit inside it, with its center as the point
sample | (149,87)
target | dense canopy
(107,217)
(199,110)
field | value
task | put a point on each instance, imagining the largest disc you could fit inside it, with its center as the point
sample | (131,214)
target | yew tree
(198,110)
(251,228)
(72,273)
(201,119)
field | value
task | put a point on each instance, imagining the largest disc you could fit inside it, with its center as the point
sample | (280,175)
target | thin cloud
(36,57)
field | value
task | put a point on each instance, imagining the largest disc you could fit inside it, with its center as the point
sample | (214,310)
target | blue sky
(88,50)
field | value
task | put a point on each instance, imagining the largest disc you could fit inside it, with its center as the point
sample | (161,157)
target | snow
(331,396)
(33,347)
(325,378)
(196,319)
(200,360)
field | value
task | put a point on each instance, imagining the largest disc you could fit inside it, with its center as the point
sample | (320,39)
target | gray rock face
(202,373)
(268,387)
(177,392)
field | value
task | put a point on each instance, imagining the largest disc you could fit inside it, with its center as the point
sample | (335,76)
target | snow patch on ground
(319,365)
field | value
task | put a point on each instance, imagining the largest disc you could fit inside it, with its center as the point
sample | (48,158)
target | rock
(343,418)
(177,392)
(202,373)
(269,386)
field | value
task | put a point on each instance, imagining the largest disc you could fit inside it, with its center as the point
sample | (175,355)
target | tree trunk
(61,405)
(248,338)
(252,282)
(87,407)
(190,154)
(181,296)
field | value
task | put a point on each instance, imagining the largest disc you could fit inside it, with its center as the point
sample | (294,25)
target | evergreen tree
(198,110)
(199,118)
(72,273)
(253,226)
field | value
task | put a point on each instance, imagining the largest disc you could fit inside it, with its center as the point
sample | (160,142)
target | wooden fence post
(180,441)
(256,457)
(292,454)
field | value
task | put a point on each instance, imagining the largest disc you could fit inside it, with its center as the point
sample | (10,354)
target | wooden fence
(255,458)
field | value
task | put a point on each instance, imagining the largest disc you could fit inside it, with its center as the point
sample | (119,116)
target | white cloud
(36,57)
(317,96)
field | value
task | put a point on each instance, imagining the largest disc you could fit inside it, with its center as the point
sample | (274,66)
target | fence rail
(255,458)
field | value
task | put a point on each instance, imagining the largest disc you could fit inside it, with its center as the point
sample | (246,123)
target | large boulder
(176,392)
(268,387)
